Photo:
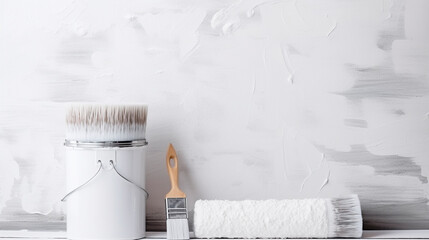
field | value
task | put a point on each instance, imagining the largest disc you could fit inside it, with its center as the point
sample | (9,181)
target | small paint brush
(175,201)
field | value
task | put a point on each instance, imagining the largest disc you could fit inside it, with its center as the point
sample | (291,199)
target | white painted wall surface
(262,99)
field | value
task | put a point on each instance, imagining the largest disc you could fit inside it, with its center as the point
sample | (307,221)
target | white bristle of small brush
(177,228)
(100,123)
(345,217)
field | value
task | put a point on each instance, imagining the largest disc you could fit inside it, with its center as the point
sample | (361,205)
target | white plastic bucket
(106,197)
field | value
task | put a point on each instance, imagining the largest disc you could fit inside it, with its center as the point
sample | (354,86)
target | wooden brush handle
(173,172)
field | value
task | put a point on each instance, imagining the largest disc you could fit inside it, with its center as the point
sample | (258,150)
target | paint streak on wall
(385,205)
(307,99)
(9,173)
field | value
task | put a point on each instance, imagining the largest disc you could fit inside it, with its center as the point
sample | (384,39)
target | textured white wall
(262,99)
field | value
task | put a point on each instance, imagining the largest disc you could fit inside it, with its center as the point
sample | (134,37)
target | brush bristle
(177,229)
(345,217)
(94,123)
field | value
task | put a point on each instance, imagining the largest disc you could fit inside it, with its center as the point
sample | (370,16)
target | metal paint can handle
(96,174)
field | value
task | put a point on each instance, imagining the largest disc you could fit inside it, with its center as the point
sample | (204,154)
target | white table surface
(391,234)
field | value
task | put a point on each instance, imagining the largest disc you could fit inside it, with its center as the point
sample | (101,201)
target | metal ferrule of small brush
(176,208)
(177,219)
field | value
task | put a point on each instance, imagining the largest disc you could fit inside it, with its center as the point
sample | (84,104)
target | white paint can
(106,197)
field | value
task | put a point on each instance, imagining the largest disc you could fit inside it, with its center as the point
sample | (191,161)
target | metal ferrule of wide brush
(105,144)
(176,208)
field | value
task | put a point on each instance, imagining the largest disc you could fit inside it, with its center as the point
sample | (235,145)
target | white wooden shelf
(391,234)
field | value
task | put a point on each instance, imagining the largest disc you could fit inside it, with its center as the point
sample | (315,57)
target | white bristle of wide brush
(98,123)
(345,217)
(177,228)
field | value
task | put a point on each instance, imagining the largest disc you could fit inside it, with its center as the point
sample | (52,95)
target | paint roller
(292,218)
